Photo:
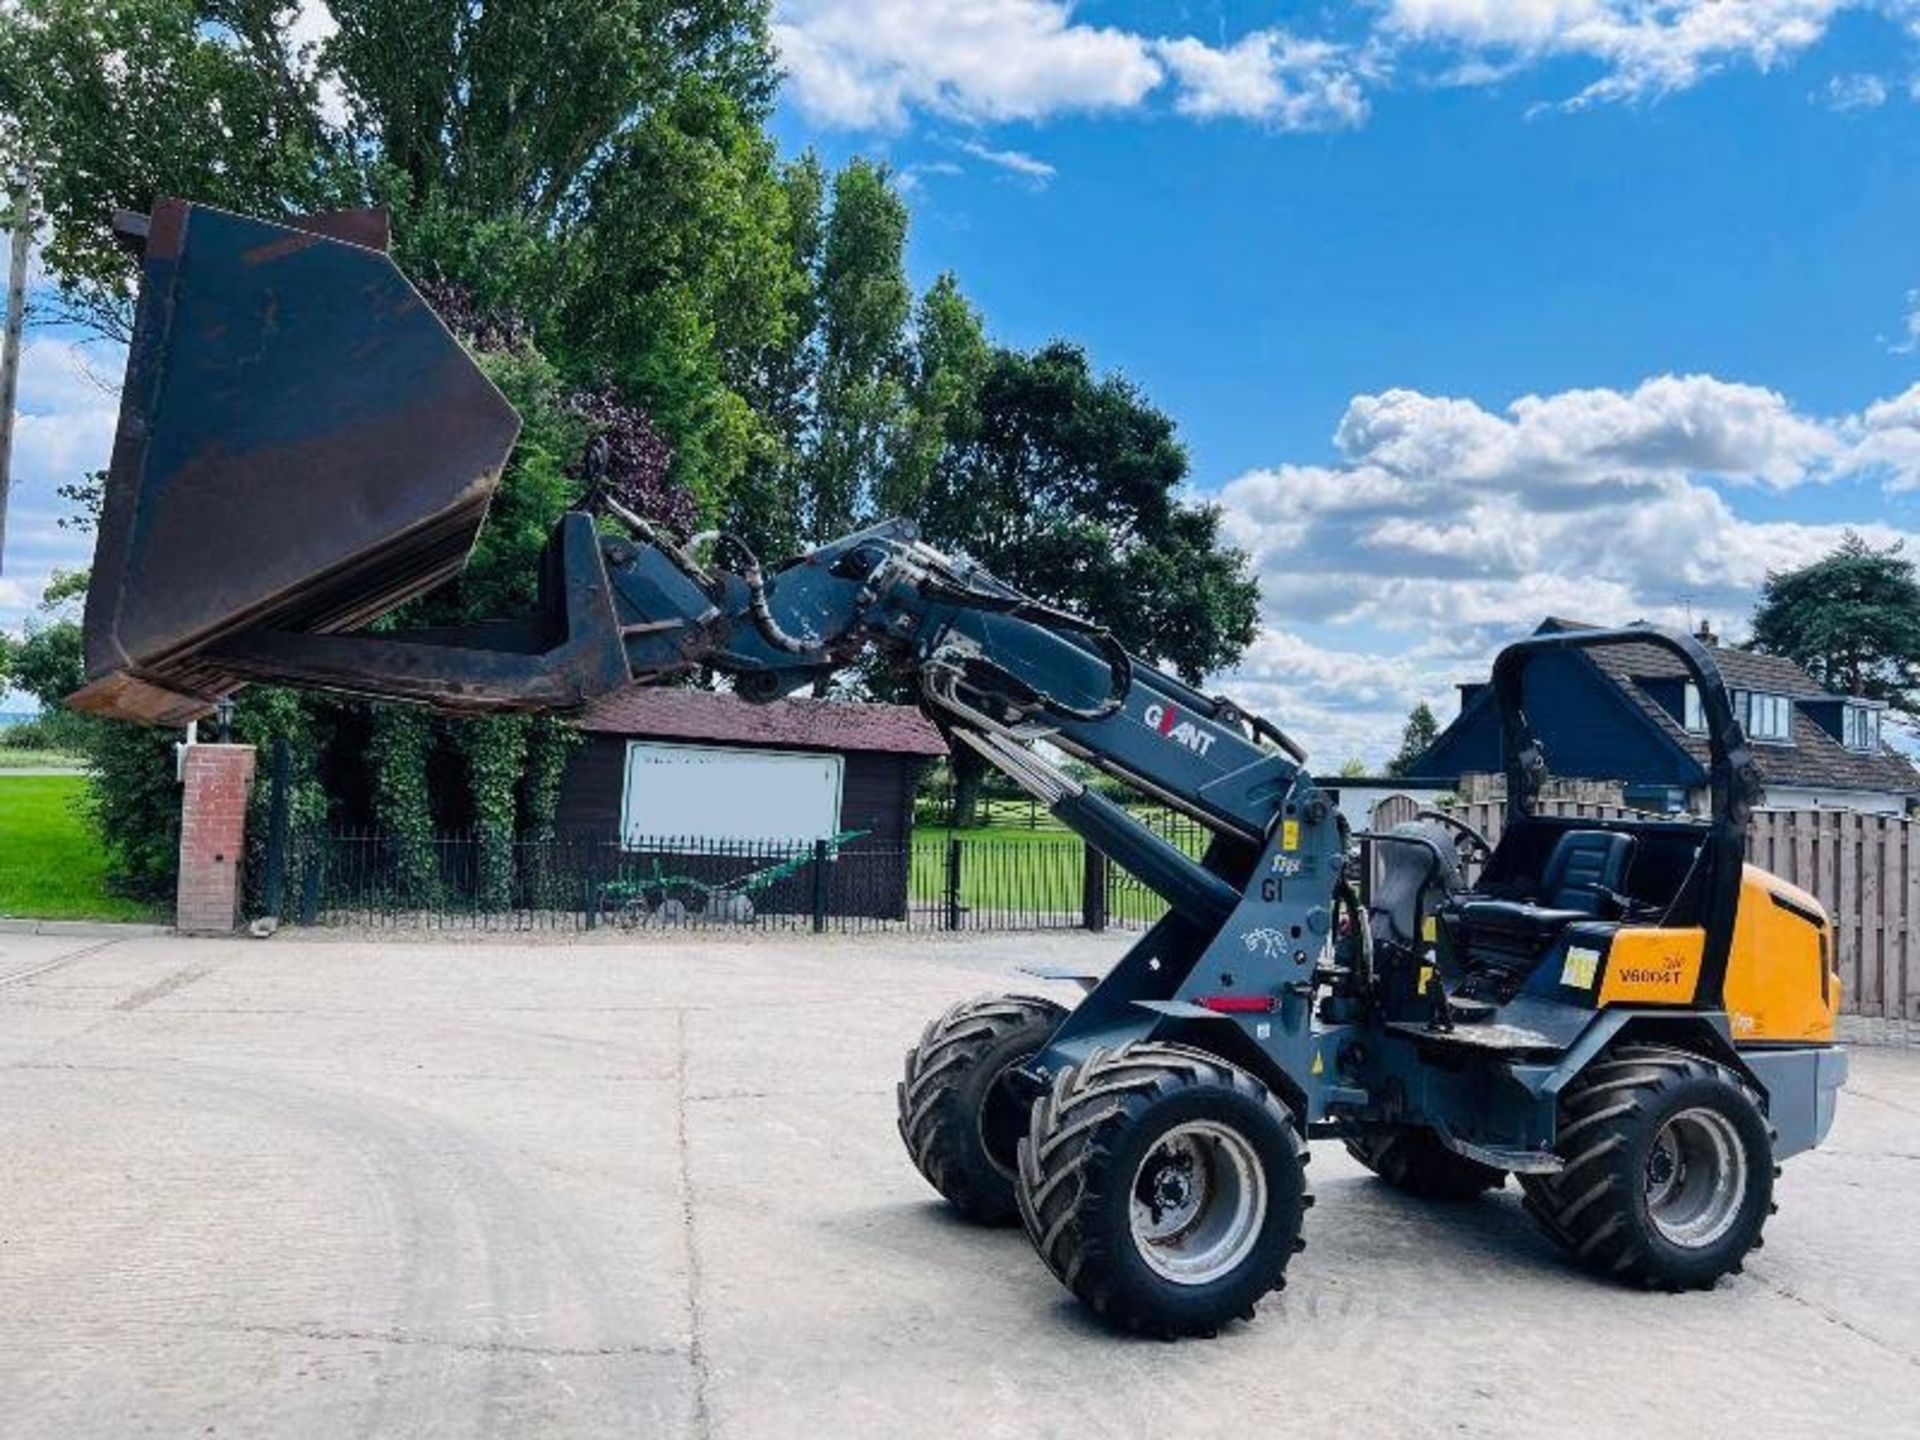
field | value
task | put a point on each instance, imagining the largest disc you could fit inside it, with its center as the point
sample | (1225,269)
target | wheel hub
(1198,1203)
(1171,1192)
(1696,1178)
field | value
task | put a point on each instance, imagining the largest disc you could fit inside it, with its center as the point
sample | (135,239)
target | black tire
(1628,1124)
(1085,1160)
(1413,1159)
(960,1126)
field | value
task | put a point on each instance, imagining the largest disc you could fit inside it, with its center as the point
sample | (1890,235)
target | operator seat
(1582,881)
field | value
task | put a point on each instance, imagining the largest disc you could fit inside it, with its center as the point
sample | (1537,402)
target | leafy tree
(1851,619)
(133,803)
(1067,485)
(1353,768)
(1420,732)
(948,360)
(861,392)
(766,504)
(48,663)
(687,280)
(110,104)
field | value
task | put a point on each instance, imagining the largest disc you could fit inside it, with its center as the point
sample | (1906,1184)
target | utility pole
(10,346)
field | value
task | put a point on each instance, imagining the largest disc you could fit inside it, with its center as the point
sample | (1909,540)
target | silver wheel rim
(1696,1178)
(1198,1203)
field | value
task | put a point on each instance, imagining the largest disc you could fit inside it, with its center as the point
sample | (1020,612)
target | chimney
(1705,633)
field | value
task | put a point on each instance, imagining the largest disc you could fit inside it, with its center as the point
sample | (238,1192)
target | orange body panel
(1653,967)
(1780,979)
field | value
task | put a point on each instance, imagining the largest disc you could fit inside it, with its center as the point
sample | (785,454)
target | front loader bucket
(302,447)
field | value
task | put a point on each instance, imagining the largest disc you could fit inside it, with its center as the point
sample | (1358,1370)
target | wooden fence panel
(1907,969)
(1394,810)
(1864,869)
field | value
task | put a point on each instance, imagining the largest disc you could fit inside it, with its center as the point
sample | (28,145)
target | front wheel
(1164,1187)
(959,1117)
(1668,1170)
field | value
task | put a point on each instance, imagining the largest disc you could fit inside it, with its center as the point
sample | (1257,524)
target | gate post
(1093,888)
(819,886)
(953,882)
(213,837)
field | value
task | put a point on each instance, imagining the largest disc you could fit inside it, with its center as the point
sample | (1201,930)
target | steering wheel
(1475,847)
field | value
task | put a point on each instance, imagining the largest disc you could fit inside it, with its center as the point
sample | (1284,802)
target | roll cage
(1733,776)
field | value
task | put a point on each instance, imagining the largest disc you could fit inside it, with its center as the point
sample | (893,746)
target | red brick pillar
(213,837)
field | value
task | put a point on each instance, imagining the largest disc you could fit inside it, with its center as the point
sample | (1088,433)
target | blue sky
(1338,243)
(1468,310)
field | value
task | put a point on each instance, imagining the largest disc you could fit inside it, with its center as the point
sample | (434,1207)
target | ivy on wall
(495,747)
(399,750)
(550,743)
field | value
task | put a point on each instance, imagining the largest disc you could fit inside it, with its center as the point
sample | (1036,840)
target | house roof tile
(1814,758)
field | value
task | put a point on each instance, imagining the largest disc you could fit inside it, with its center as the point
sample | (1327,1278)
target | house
(724,785)
(1629,713)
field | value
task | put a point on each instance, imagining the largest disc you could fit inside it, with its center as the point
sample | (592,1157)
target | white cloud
(1852,92)
(64,428)
(1581,439)
(1027,167)
(1887,438)
(1646,48)
(867,64)
(1448,529)
(875,64)
(1908,340)
(1270,76)
(312,26)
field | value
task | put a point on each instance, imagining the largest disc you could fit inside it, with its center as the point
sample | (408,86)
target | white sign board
(705,792)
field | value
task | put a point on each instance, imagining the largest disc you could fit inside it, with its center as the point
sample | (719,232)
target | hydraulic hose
(758,610)
(1119,662)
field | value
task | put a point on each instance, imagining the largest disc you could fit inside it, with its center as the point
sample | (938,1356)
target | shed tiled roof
(661,713)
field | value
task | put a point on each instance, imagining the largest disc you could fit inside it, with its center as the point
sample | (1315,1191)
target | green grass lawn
(1011,869)
(51,867)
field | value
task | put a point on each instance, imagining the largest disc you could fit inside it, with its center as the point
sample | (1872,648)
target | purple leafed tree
(628,459)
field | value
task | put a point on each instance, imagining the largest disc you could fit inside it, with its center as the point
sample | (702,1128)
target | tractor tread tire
(948,1073)
(1609,1114)
(1067,1178)
(1414,1159)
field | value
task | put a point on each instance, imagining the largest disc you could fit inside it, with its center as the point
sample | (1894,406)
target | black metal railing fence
(934,881)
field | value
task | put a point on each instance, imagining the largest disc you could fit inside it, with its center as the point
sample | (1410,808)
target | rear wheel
(1164,1187)
(960,1119)
(1413,1159)
(1668,1177)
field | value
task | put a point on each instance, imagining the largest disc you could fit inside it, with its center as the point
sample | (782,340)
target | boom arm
(995,665)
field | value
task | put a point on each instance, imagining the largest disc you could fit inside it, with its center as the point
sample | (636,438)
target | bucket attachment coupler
(302,447)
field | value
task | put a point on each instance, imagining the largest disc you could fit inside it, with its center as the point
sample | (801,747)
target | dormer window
(1693,714)
(1766,717)
(1862,728)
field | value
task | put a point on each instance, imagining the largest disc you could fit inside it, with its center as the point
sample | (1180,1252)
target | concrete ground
(385,1188)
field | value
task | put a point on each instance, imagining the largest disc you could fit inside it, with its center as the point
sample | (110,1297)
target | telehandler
(1621,1014)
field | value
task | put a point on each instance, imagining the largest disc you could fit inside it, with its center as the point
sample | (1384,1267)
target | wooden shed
(691,771)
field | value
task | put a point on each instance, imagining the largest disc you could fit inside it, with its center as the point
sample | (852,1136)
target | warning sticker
(1289,834)
(1581,967)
